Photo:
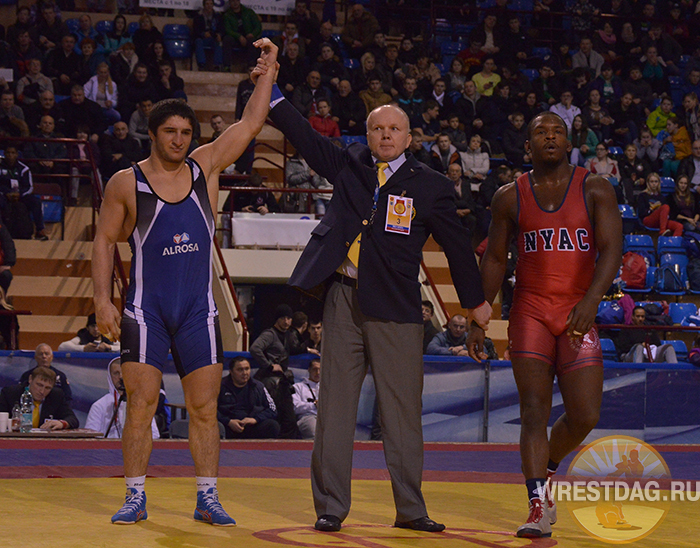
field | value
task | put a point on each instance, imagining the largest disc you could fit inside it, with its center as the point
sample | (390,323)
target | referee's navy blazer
(388,286)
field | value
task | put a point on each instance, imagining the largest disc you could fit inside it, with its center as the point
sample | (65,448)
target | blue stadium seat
(675,81)
(648,283)
(454,95)
(440,67)
(616,152)
(268,33)
(450,48)
(349,139)
(105,26)
(680,311)
(640,243)
(463,30)
(541,53)
(680,348)
(609,350)
(133,27)
(668,185)
(73,24)
(630,222)
(176,32)
(530,73)
(351,63)
(178,49)
(683,61)
(670,244)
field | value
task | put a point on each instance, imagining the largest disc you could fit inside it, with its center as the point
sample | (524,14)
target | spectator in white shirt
(305,400)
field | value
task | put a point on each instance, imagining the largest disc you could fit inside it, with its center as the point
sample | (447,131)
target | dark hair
(167,108)
(235,361)
(323,100)
(537,117)
(89,41)
(374,75)
(299,318)
(430,104)
(428,304)
(313,361)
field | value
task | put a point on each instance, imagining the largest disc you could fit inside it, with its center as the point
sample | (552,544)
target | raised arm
(607,226)
(216,156)
(110,224)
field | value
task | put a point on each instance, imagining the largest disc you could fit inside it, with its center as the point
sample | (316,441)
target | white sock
(138,483)
(204,484)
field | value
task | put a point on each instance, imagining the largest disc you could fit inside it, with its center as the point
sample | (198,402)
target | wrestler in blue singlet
(170,304)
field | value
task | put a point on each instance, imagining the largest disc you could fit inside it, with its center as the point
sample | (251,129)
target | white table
(289,230)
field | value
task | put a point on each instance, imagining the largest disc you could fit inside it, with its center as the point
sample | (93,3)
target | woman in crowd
(145,35)
(487,79)
(155,54)
(123,62)
(597,117)
(101,89)
(602,164)
(89,60)
(583,141)
(684,205)
(633,173)
(475,163)
(118,36)
(531,107)
(653,210)
(360,74)
(455,78)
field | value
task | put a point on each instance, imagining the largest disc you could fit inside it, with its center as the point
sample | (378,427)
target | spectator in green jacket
(656,121)
(242,27)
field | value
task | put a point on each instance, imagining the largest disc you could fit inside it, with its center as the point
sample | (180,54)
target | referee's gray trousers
(351,341)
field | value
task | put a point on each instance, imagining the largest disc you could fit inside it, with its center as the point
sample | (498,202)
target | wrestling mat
(62,494)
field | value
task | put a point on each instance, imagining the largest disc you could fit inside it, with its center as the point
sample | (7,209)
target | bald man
(366,255)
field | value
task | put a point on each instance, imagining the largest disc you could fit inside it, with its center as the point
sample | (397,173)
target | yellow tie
(35,415)
(354,251)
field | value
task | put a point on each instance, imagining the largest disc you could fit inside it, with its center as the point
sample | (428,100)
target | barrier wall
(463,401)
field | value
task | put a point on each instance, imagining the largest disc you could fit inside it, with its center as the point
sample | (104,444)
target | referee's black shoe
(421,524)
(327,523)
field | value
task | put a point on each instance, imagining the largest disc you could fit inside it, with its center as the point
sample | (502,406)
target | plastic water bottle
(16,417)
(27,405)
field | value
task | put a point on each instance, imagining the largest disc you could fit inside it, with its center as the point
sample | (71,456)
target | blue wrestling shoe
(209,509)
(134,508)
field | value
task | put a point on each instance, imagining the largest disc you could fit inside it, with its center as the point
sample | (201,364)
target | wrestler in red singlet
(556,261)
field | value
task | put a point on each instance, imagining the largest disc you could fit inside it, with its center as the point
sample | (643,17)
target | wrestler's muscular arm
(607,226)
(216,156)
(116,219)
(493,263)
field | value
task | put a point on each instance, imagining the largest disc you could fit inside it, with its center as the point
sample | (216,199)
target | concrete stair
(52,279)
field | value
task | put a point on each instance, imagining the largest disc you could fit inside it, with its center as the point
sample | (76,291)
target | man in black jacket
(367,256)
(271,351)
(77,110)
(348,109)
(119,151)
(245,408)
(51,410)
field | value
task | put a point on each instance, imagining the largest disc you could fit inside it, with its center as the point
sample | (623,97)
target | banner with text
(261,7)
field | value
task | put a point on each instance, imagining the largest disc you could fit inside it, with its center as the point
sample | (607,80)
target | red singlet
(556,261)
